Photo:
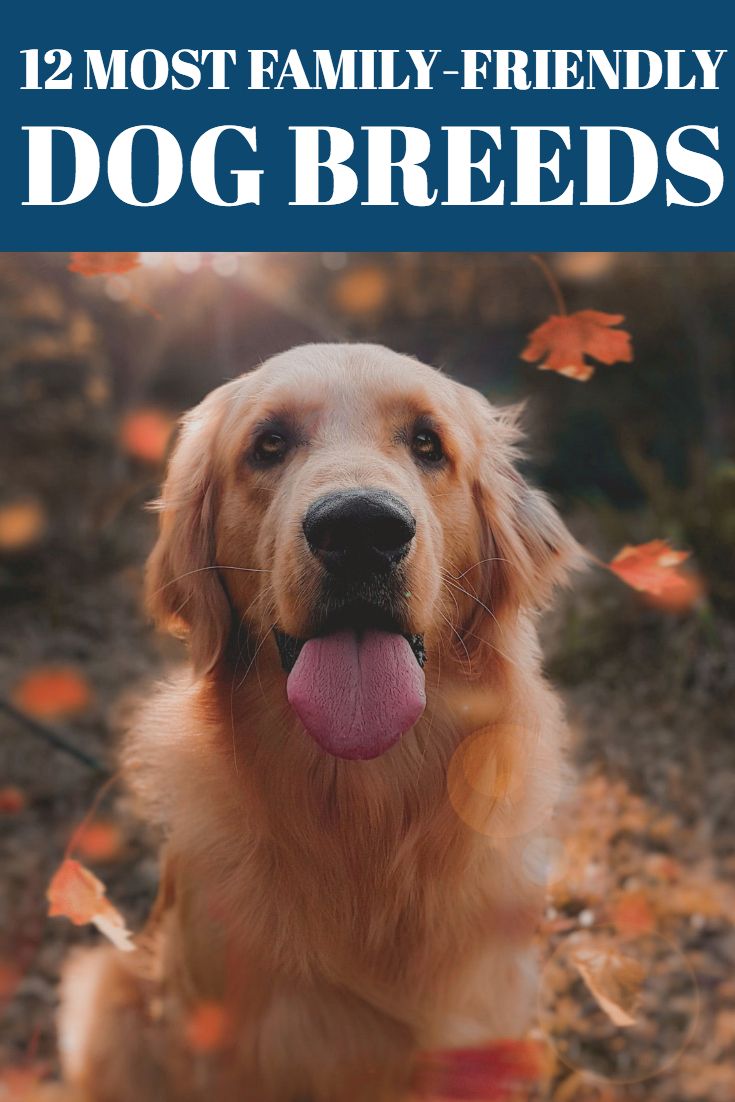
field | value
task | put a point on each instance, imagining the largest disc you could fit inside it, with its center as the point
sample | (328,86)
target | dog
(348,778)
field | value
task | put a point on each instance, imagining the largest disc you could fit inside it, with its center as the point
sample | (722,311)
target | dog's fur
(345,914)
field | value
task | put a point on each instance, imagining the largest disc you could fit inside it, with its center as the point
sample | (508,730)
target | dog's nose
(359,532)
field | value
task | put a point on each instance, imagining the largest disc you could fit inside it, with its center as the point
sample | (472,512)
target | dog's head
(351,514)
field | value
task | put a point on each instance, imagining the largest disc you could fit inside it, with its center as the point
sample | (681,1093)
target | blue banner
(385,127)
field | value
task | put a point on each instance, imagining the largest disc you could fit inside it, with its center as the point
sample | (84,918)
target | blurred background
(93,374)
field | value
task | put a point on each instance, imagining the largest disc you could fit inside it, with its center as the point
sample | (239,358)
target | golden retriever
(348,779)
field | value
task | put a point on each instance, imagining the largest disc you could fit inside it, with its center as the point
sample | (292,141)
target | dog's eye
(270,447)
(427,446)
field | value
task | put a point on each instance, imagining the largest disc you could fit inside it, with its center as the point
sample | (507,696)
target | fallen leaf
(10,977)
(22,523)
(93,264)
(484,1074)
(207,1027)
(52,691)
(18,1084)
(99,841)
(614,980)
(145,434)
(685,594)
(651,568)
(76,893)
(563,342)
(632,913)
(12,800)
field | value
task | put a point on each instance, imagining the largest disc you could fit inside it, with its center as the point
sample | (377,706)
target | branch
(53,738)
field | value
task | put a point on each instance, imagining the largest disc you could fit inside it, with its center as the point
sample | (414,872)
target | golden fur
(345,914)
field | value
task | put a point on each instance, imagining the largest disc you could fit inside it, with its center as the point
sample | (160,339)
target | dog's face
(350,513)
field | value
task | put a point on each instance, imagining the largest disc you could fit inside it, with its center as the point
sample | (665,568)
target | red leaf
(93,264)
(12,800)
(207,1027)
(632,913)
(22,1083)
(687,591)
(652,568)
(563,341)
(494,1072)
(77,894)
(145,433)
(100,841)
(52,691)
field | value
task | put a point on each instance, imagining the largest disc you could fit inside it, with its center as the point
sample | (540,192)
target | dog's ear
(183,587)
(527,547)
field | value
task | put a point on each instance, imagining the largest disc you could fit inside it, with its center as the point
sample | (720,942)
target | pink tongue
(356,695)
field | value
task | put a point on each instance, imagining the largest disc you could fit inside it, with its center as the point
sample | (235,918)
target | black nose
(359,532)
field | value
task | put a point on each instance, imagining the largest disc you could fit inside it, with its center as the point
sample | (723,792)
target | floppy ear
(526,545)
(183,587)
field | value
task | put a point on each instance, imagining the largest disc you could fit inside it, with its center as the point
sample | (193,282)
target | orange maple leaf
(207,1027)
(22,1083)
(563,341)
(145,433)
(77,894)
(93,264)
(52,691)
(688,590)
(632,913)
(12,800)
(21,523)
(99,841)
(651,568)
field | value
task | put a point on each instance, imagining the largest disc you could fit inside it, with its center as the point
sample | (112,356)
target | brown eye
(427,446)
(270,448)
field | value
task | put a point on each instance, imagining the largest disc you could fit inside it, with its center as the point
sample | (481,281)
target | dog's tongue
(357,694)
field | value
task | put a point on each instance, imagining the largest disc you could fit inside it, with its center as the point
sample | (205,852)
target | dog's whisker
(482,605)
(255,655)
(453,629)
(480,562)
(200,569)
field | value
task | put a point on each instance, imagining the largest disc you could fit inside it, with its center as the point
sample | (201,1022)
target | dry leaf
(93,264)
(19,1084)
(687,591)
(615,981)
(563,342)
(22,523)
(207,1027)
(12,800)
(52,691)
(99,841)
(651,568)
(145,434)
(632,913)
(77,894)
